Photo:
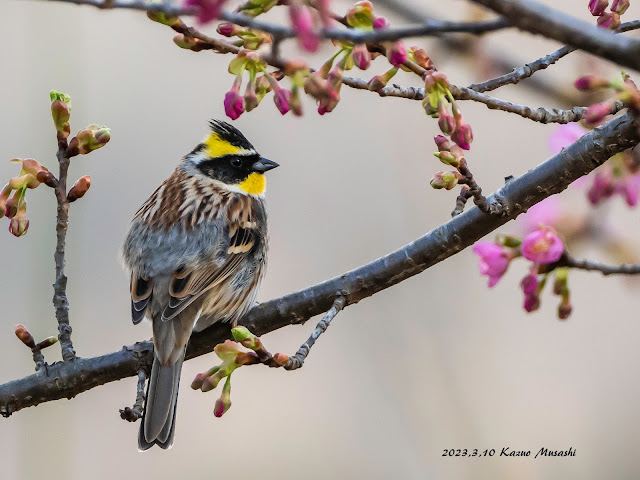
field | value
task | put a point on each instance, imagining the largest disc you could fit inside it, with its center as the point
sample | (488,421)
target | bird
(196,252)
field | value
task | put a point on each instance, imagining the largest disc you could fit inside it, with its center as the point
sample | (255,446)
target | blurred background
(437,362)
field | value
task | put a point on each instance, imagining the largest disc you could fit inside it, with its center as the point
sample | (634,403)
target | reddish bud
(598,7)
(564,310)
(47,178)
(361,57)
(19,225)
(596,113)
(25,337)
(47,342)
(379,23)
(281,359)
(228,29)
(446,123)
(590,82)
(463,135)
(282,99)
(442,143)
(620,6)
(396,53)
(79,188)
(233,103)
(609,20)
(208,10)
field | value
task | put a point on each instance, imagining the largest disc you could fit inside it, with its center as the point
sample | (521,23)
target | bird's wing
(187,285)
(141,290)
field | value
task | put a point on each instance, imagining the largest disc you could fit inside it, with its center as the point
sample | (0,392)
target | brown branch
(539,19)
(67,379)
(60,300)
(521,73)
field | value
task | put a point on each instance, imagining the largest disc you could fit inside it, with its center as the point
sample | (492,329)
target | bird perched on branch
(196,251)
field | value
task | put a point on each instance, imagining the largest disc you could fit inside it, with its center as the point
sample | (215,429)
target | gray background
(437,362)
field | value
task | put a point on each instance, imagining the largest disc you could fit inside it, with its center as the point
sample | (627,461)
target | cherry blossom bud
(208,10)
(448,158)
(281,359)
(421,58)
(361,57)
(228,29)
(360,15)
(61,112)
(601,188)
(620,6)
(188,43)
(79,188)
(446,180)
(494,260)
(224,402)
(597,112)
(447,123)
(564,310)
(590,82)
(91,138)
(164,18)
(379,23)
(11,205)
(609,20)
(463,135)
(233,102)
(19,225)
(378,82)
(396,53)
(542,246)
(25,337)
(531,302)
(302,22)
(598,7)
(442,143)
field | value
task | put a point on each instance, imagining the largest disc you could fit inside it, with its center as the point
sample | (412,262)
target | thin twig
(520,73)
(461,201)
(428,28)
(132,414)
(296,361)
(532,16)
(67,379)
(540,114)
(60,300)
(568,261)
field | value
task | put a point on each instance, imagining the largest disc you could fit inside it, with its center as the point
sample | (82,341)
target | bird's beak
(264,165)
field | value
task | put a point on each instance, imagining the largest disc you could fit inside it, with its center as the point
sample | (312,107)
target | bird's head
(227,158)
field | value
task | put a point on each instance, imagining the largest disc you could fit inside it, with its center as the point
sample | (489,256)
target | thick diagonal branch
(534,17)
(67,379)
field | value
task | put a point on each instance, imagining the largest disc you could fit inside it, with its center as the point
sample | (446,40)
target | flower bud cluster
(609,20)
(542,247)
(626,92)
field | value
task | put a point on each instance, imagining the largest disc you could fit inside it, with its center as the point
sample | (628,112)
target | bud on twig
(91,138)
(79,188)
(61,112)
(25,337)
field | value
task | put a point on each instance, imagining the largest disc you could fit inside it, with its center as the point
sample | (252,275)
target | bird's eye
(236,162)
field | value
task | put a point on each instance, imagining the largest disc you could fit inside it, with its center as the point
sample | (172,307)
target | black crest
(230,133)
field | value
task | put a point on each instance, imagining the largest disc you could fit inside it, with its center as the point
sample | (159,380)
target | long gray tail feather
(158,420)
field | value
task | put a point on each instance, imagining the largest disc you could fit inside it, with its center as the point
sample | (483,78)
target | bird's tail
(158,420)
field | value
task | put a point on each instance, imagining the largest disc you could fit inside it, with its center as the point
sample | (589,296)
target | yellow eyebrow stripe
(217,147)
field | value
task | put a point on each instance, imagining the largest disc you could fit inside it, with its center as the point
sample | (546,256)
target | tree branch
(428,28)
(60,301)
(569,261)
(542,63)
(536,18)
(67,379)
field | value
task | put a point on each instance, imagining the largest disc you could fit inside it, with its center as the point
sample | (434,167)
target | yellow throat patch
(254,184)
(217,147)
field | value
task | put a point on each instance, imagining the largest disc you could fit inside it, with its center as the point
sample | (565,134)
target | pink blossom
(542,246)
(208,10)
(233,106)
(494,260)
(565,135)
(282,99)
(302,22)
(597,112)
(547,212)
(602,187)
